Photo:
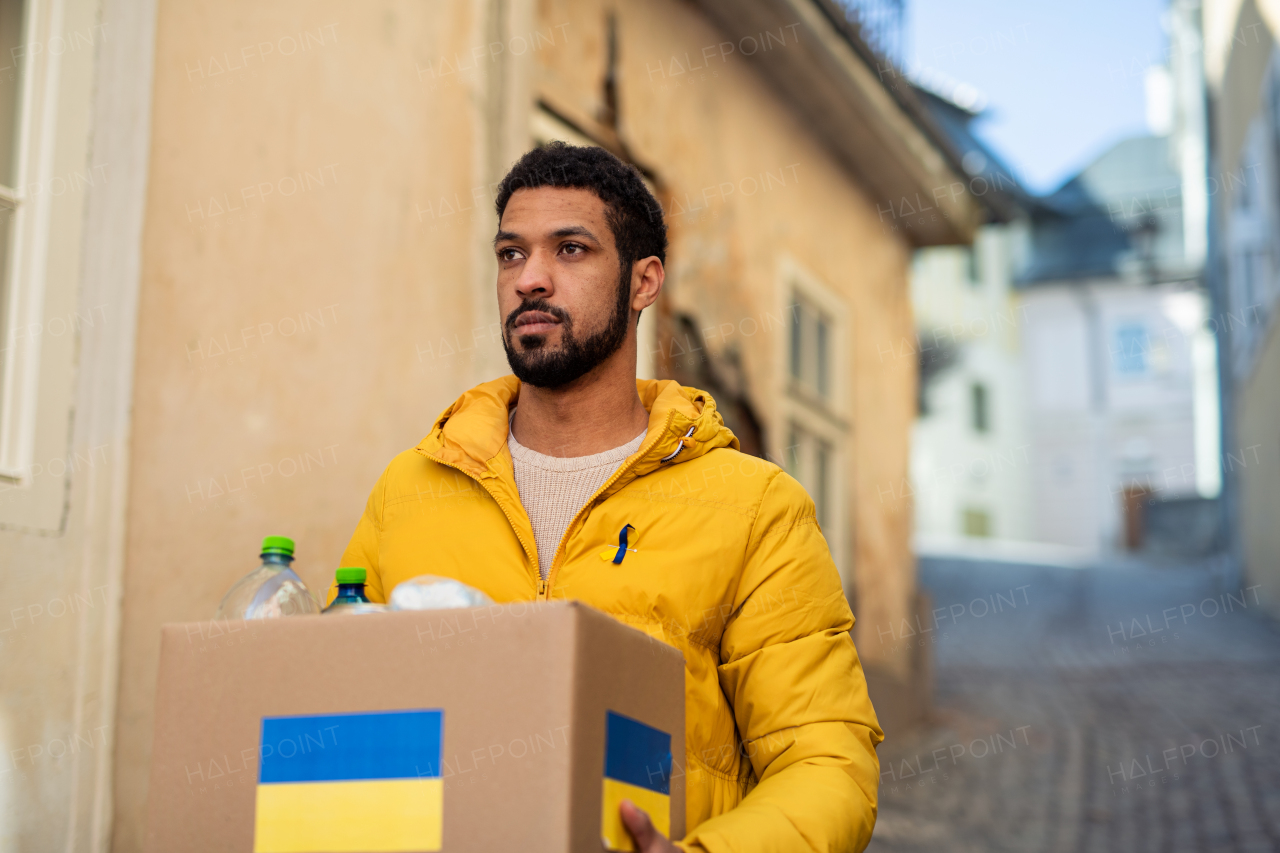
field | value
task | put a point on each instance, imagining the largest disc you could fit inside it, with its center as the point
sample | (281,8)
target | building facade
(1121,350)
(971,447)
(250,261)
(1242,69)
(1121,363)
(971,451)
(1072,396)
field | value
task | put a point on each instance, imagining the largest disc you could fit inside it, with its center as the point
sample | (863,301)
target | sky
(1062,79)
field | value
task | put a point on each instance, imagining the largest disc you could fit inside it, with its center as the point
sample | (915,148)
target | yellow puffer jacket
(730,567)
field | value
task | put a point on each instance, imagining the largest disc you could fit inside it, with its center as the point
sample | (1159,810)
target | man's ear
(647,277)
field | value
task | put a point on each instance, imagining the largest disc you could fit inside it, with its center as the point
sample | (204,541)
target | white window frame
(802,303)
(825,419)
(833,408)
(24,272)
(800,460)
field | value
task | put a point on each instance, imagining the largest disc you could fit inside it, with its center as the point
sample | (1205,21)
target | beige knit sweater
(554,488)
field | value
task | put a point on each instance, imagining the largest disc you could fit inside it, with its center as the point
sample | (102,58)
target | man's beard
(544,368)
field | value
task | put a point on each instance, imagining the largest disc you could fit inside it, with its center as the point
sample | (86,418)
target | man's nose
(535,278)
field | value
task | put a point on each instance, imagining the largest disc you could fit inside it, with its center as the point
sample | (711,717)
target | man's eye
(509,254)
(573,248)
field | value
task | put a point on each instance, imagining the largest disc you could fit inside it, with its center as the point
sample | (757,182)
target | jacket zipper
(555,559)
(542,584)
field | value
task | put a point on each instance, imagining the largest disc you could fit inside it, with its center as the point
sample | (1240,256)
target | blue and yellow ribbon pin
(615,555)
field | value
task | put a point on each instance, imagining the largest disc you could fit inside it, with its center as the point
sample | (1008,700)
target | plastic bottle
(351,597)
(270,590)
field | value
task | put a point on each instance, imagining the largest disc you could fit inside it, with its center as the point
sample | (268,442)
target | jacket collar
(471,435)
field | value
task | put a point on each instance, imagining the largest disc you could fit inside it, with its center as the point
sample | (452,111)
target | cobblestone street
(1115,708)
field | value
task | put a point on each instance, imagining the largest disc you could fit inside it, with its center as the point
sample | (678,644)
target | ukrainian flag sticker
(350,783)
(637,767)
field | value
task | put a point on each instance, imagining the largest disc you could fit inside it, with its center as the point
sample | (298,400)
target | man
(726,561)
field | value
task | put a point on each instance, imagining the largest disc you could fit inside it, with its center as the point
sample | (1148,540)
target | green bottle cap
(277,545)
(350,575)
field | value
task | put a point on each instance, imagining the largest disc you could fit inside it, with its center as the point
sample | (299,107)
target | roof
(1121,216)
(989,178)
(863,109)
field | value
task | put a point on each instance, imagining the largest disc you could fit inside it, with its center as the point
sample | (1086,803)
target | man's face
(565,301)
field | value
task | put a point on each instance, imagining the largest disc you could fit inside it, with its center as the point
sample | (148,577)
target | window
(980,408)
(11,37)
(26,106)
(1244,196)
(811,460)
(809,428)
(973,273)
(1254,276)
(797,332)
(810,348)
(822,479)
(1131,349)
(11,15)
(47,176)
(976,522)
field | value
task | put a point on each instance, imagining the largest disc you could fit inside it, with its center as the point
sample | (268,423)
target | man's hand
(648,839)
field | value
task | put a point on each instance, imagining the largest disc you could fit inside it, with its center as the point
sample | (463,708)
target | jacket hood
(471,435)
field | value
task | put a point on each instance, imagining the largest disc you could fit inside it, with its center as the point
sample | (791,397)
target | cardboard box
(514,727)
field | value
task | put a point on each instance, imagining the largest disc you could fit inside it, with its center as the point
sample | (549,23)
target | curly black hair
(633,214)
